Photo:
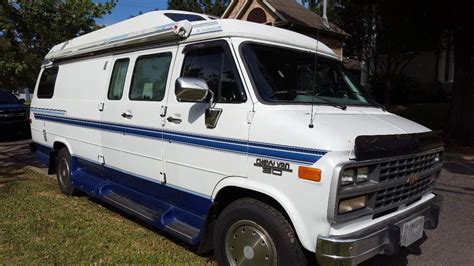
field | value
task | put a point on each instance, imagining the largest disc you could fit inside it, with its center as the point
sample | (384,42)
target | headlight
(355,175)
(352,204)
(362,174)
(348,177)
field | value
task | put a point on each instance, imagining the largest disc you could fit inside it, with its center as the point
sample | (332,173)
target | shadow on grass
(10,174)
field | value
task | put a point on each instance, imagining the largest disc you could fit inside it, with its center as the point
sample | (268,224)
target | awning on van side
(163,33)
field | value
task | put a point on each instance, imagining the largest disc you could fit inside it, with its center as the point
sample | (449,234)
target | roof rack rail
(169,32)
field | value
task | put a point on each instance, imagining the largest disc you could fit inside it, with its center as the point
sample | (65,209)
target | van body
(234,136)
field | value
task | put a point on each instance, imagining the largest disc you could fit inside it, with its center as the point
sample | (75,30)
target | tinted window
(178,17)
(149,77)
(47,82)
(217,68)
(8,98)
(117,81)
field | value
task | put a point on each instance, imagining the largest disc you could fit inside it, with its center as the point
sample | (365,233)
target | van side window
(217,68)
(47,82)
(149,77)
(117,81)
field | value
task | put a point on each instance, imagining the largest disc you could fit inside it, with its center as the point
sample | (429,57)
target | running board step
(183,229)
(132,206)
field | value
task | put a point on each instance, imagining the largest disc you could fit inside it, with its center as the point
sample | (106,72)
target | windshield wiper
(368,97)
(337,105)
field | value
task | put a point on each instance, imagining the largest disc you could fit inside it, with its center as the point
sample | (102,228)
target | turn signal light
(308,173)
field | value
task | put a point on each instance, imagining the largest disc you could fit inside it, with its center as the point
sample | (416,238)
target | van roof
(163,24)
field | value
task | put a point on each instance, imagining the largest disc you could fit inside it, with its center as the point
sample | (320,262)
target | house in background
(290,15)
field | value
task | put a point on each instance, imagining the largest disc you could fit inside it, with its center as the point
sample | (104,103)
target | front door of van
(197,157)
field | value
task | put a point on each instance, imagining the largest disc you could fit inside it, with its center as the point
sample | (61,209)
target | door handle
(127,115)
(174,120)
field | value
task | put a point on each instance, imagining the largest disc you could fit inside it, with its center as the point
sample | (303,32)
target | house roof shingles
(297,14)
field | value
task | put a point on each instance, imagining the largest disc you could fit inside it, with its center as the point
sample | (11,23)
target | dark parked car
(14,117)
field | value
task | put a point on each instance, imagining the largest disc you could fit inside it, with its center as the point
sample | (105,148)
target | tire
(63,173)
(250,232)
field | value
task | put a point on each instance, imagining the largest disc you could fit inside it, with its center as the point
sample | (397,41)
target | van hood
(333,130)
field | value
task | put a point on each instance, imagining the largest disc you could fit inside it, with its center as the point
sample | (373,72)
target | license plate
(411,231)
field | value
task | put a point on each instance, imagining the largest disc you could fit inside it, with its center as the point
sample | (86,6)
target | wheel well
(57,146)
(230,194)
(225,197)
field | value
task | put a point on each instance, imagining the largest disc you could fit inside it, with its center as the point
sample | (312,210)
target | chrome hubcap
(63,172)
(247,243)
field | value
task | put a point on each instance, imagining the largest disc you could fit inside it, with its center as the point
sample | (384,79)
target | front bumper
(383,238)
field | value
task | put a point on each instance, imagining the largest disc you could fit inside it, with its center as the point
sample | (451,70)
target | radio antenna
(311,120)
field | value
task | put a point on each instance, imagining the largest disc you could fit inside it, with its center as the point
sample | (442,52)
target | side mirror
(191,89)
(196,90)
(22,101)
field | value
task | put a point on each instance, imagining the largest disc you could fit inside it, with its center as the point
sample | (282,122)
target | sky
(126,8)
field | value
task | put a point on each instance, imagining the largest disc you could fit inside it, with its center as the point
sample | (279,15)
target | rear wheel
(63,172)
(250,232)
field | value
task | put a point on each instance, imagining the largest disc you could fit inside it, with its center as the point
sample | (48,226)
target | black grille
(402,193)
(407,167)
(394,182)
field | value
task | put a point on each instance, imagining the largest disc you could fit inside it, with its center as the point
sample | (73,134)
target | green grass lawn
(39,225)
(431,115)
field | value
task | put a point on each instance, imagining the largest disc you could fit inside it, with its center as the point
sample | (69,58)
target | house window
(257,15)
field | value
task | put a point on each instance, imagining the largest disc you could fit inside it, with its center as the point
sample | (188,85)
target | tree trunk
(460,128)
(387,93)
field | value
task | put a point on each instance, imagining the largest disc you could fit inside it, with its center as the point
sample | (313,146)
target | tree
(185,5)
(29,29)
(210,7)
(388,34)
(460,126)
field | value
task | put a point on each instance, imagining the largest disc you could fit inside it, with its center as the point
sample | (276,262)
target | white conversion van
(237,137)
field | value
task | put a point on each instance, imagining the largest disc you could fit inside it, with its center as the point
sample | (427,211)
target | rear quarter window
(117,81)
(47,82)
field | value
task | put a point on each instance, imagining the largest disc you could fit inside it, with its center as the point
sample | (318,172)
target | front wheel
(251,232)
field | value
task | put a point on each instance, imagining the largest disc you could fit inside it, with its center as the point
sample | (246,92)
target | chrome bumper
(383,238)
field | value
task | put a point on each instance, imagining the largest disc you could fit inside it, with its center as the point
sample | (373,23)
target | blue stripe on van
(268,150)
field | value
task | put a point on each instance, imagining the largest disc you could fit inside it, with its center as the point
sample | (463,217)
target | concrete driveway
(452,243)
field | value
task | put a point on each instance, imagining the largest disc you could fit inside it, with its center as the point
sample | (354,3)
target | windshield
(287,76)
(8,98)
